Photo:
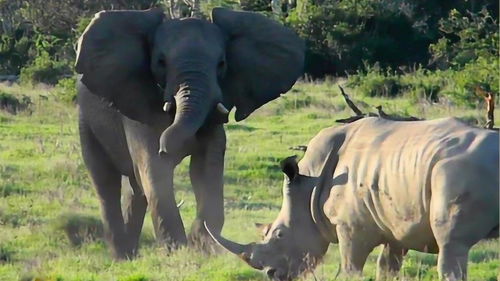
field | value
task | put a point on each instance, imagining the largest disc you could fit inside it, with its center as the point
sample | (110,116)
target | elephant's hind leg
(135,205)
(107,181)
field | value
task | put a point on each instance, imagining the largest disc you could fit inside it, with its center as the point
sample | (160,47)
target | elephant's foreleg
(157,179)
(107,181)
(206,172)
(134,209)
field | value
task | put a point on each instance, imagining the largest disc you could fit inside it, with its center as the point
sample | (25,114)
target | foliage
(207,6)
(341,35)
(44,70)
(465,39)
(13,105)
(467,52)
(66,90)
(456,86)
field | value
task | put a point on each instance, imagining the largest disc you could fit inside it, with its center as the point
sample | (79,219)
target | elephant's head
(195,69)
(293,243)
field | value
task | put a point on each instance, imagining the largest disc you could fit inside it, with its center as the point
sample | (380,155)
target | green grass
(44,188)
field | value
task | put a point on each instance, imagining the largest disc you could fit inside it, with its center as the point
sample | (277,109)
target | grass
(45,192)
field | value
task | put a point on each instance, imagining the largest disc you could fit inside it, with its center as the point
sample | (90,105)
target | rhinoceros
(429,186)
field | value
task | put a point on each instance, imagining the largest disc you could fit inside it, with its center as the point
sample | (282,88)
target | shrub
(465,39)
(44,70)
(375,81)
(342,35)
(12,104)
(80,228)
(66,90)
(6,254)
(456,86)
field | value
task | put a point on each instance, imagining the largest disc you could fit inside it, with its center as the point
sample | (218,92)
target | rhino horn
(241,250)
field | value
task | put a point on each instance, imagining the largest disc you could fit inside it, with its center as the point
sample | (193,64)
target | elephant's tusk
(222,109)
(180,204)
(167,106)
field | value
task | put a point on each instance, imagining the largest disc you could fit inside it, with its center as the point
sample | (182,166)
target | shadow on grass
(12,189)
(483,256)
(246,275)
(6,254)
(246,205)
(80,228)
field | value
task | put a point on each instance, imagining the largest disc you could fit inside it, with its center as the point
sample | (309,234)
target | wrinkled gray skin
(430,186)
(133,64)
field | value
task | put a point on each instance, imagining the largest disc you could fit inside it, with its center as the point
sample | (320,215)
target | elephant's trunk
(191,111)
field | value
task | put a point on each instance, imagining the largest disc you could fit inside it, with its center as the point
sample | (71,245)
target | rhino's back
(388,166)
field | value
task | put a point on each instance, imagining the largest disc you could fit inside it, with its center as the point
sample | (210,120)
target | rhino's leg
(460,214)
(354,246)
(389,261)
(452,261)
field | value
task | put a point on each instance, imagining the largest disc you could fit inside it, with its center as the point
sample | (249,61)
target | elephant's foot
(171,244)
(201,240)
(120,250)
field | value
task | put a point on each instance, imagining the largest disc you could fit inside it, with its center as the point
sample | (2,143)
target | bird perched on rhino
(429,186)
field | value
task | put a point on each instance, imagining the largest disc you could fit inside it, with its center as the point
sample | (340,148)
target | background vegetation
(378,44)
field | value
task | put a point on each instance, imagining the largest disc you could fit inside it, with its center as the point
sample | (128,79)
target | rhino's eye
(278,234)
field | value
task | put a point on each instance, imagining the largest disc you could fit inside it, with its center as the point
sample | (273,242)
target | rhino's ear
(263,228)
(290,167)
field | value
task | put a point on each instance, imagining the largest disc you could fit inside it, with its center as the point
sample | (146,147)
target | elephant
(430,186)
(152,91)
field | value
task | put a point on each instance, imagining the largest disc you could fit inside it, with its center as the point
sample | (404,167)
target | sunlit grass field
(44,187)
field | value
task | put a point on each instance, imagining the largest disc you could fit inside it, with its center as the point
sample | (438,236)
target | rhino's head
(293,243)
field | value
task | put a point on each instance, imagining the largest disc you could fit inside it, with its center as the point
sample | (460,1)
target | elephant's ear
(113,56)
(264,59)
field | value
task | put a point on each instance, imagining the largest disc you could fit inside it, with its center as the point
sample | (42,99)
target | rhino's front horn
(242,251)
(233,247)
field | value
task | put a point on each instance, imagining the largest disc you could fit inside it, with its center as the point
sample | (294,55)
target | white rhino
(429,186)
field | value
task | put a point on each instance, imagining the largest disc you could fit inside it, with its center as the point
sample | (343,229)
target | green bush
(44,70)
(66,90)
(467,53)
(13,104)
(375,81)
(342,35)
(465,39)
(455,86)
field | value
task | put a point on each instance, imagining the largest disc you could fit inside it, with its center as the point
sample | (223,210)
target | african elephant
(429,186)
(133,64)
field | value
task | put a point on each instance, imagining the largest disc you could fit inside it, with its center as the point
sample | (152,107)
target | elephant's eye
(221,67)
(162,62)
